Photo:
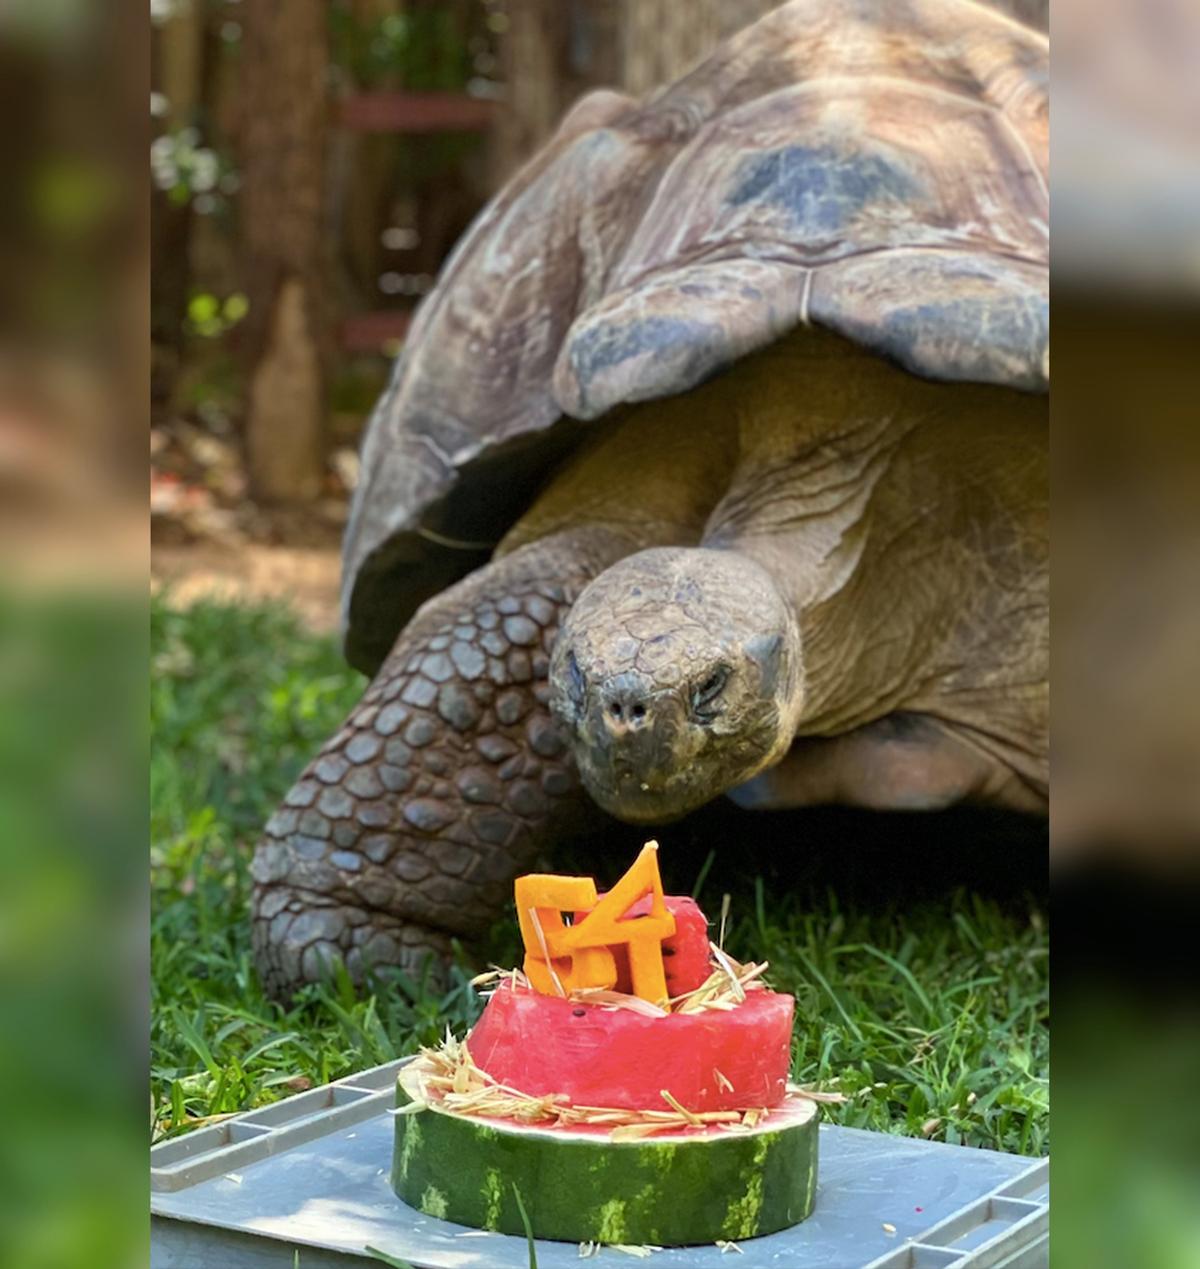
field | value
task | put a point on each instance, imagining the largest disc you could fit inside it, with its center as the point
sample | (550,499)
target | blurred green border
(73,930)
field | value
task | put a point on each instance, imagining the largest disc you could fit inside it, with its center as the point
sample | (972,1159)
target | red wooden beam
(372,332)
(415,112)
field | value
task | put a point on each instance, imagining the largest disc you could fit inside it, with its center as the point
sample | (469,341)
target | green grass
(928,1007)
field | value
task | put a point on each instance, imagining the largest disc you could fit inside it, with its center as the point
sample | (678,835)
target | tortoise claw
(299,937)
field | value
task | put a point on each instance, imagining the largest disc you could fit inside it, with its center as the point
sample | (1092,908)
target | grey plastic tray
(310,1174)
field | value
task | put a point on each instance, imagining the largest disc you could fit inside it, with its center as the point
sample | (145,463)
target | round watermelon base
(700,1185)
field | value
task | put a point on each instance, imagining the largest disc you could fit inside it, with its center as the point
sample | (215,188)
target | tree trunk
(284,82)
(531,53)
(552,52)
(663,39)
(177,73)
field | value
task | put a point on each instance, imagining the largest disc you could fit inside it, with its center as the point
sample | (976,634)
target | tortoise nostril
(626,705)
(628,713)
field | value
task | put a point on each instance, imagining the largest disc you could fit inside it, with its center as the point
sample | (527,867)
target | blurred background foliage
(73,1011)
(413,113)
(380,206)
(423,48)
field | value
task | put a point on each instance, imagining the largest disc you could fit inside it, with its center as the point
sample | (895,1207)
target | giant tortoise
(715,464)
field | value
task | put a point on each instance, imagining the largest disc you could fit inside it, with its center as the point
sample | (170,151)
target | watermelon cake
(629,1085)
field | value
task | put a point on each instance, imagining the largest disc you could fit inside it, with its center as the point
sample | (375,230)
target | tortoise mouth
(637,752)
(639,798)
(636,807)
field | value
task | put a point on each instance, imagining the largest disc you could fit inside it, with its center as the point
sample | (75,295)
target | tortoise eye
(708,691)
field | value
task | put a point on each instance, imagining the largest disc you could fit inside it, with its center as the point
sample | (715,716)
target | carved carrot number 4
(561,957)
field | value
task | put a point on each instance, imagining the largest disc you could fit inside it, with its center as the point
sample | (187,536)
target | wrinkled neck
(901,517)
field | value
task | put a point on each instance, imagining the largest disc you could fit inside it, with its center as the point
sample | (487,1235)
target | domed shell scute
(879,170)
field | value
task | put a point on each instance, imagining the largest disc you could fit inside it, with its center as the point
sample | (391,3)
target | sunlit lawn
(930,1011)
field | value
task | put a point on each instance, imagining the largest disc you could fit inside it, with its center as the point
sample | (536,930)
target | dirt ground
(208,539)
(307,578)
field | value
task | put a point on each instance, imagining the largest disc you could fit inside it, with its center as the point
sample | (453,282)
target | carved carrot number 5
(561,957)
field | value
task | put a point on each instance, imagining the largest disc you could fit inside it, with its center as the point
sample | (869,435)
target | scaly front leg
(446,780)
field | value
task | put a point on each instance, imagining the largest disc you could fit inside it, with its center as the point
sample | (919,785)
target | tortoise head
(677,676)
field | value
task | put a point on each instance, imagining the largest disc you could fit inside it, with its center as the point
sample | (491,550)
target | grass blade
(376,1254)
(906,974)
(528,1227)
(702,875)
(851,1025)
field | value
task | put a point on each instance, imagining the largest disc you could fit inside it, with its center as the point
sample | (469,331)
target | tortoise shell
(876,169)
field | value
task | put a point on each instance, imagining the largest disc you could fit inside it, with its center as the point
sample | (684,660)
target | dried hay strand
(815,1095)
(450,1080)
(725,988)
(541,938)
(617,1000)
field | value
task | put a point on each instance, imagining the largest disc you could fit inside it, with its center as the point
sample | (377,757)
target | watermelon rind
(672,1189)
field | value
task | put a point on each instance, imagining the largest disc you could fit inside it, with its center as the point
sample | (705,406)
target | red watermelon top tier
(732,1059)
(715,1059)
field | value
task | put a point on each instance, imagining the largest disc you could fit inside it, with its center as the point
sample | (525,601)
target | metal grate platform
(311,1175)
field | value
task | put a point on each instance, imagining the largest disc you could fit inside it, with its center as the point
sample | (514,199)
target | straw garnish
(725,988)
(815,1095)
(541,938)
(450,1080)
